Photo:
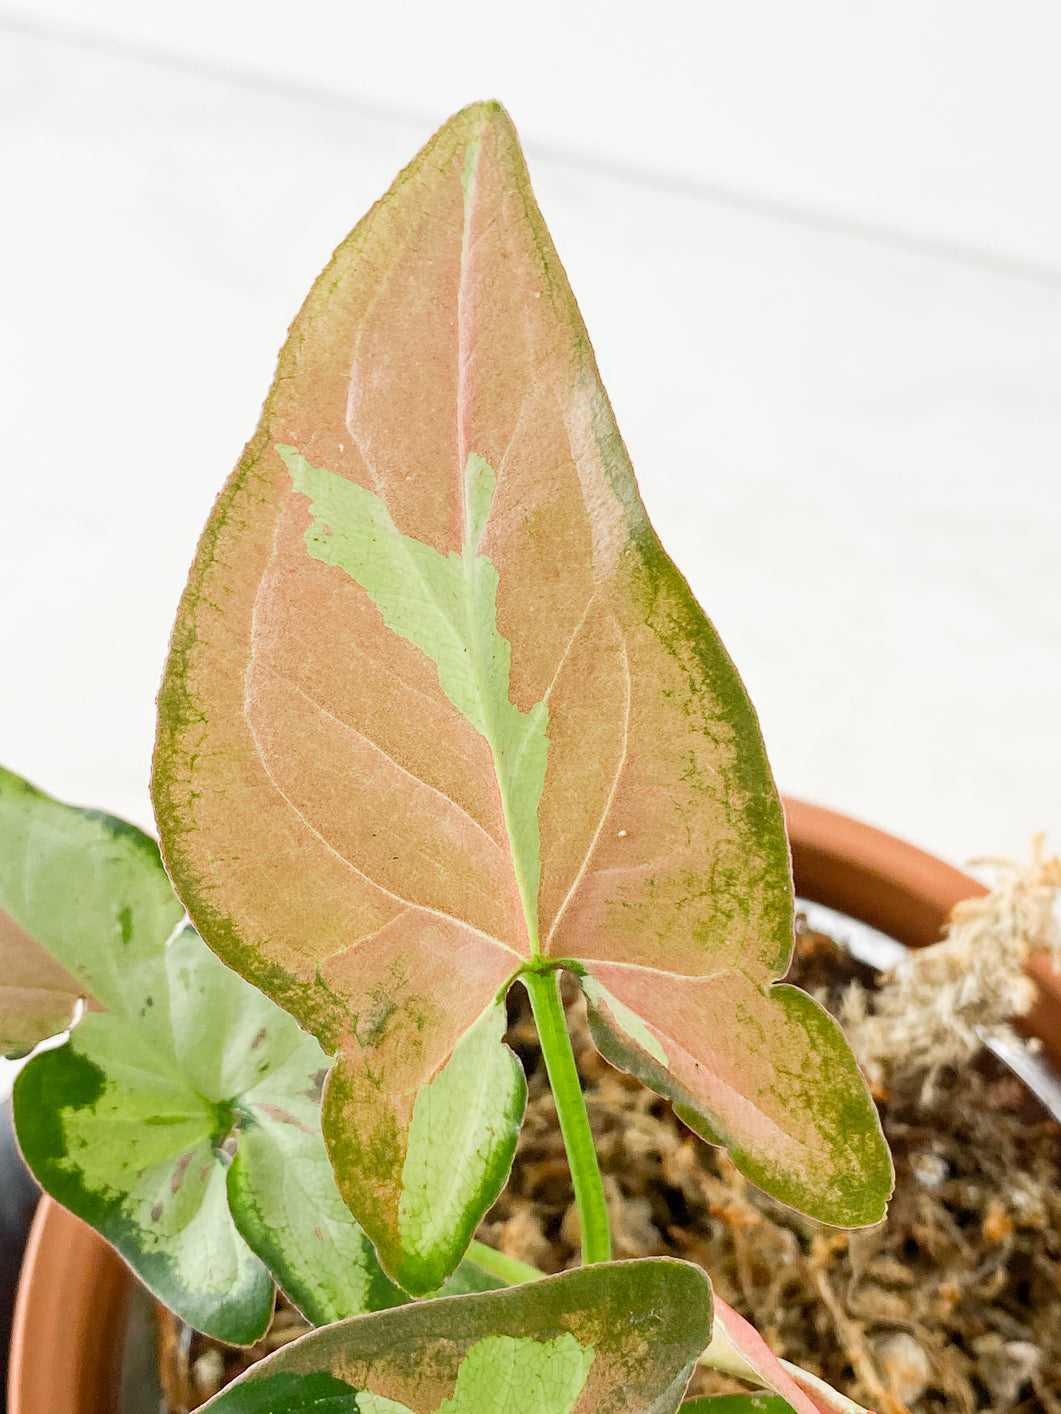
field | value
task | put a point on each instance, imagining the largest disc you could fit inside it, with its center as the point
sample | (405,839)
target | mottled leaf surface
(113,1128)
(438,704)
(132,1123)
(134,1128)
(83,899)
(621,1338)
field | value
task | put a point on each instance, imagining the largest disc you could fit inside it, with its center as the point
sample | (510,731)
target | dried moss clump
(938,1007)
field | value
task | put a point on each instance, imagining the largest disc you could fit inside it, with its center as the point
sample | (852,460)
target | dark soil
(952,1305)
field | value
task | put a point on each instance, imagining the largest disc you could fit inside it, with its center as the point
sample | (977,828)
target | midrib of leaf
(454,622)
(452,616)
(479,480)
(508,731)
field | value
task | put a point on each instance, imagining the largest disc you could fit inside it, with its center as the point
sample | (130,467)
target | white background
(937,118)
(818,247)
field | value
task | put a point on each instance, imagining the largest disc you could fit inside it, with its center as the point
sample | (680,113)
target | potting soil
(952,1305)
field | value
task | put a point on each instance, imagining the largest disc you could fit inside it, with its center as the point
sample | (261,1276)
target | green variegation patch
(500,1375)
(318,1393)
(621,1338)
(506,1374)
(447,606)
(461,1142)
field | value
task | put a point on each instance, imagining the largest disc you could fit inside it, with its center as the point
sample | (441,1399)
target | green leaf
(118,1136)
(434,676)
(83,899)
(132,1128)
(621,1338)
(301,1394)
(133,1122)
(461,1142)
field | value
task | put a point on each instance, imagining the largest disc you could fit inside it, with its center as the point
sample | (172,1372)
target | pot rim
(74,1288)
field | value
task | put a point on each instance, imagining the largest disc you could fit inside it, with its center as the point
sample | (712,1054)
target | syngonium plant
(440,715)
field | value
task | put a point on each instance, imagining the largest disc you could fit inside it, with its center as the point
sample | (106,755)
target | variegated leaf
(439,707)
(133,1122)
(615,1339)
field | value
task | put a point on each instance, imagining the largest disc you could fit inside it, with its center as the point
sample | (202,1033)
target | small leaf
(130,1128)
(118,1136)
(621,1337)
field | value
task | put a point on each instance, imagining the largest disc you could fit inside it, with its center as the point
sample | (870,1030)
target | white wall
(938,119)
(851,448)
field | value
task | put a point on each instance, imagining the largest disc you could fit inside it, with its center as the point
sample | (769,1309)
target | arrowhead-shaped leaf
(621,1338)
(438,704)
(131,1124)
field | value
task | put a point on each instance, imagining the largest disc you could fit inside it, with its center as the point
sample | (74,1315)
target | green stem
(543,989)
(509,1269)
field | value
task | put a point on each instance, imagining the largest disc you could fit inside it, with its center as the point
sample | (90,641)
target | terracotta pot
(901,890)
(74,1291)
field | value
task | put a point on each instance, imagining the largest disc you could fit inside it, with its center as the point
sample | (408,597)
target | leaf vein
(619,768)
(361,736)
(408,904)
